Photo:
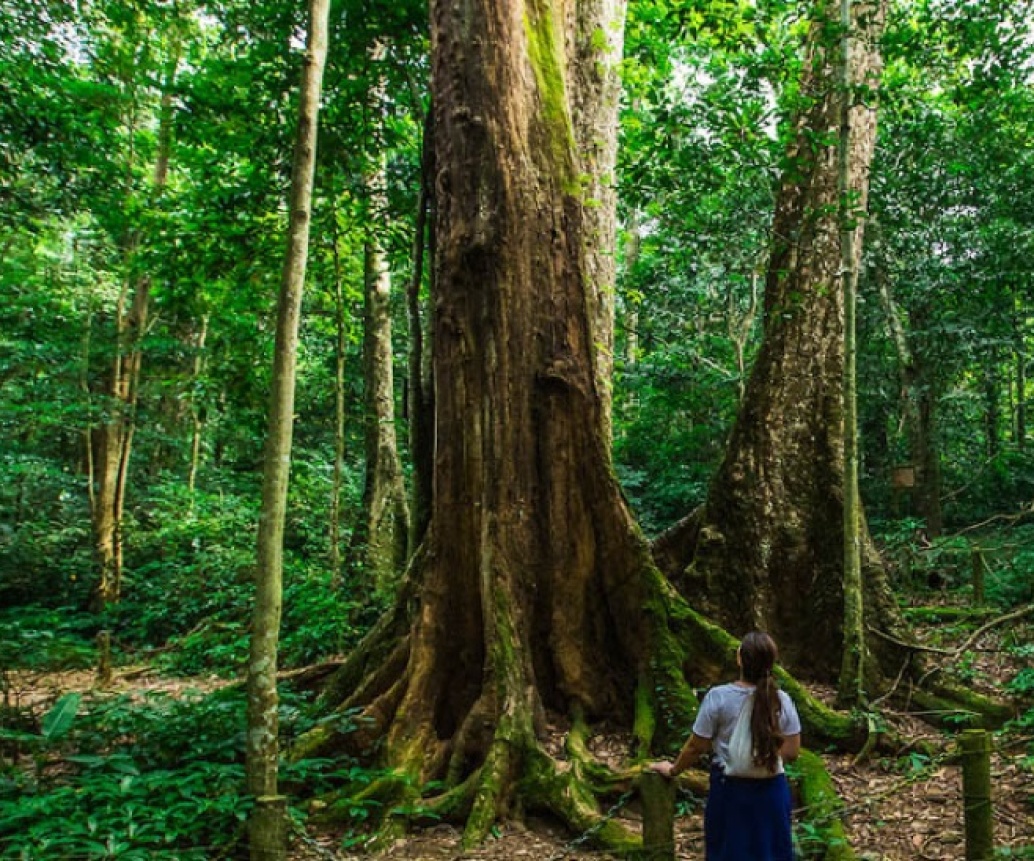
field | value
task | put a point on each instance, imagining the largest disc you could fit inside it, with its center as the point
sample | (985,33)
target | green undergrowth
(145,778)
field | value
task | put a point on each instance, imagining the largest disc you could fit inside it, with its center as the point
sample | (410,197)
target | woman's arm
(790,747)
(695,747)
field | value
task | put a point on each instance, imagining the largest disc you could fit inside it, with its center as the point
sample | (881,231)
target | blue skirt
(748,819)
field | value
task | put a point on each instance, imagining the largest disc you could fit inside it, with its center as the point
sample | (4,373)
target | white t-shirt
(721,707)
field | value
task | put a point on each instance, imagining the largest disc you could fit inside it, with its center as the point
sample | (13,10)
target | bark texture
(769,545)
(595,40)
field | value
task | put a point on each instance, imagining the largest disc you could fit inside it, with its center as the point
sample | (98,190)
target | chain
(303,836)
(584,837)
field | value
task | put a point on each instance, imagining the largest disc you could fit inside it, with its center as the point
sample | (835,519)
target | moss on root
(544,786)
(821,806)
(953,707)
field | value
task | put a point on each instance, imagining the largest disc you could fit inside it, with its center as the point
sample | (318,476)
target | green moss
(545,54)
(311,744)
(821,823)
(544,787)
(645,725)
(955,707)
(823,725)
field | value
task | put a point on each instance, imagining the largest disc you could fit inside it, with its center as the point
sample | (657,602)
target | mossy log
(932,615)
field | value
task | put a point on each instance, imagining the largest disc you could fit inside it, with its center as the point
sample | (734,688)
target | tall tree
(268,825)
(769,540)
(852,666)
(529,582)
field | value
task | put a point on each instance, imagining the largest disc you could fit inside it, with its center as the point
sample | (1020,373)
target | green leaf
(59,719)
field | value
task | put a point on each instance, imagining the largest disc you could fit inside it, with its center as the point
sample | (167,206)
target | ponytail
(764,723)
(758,655)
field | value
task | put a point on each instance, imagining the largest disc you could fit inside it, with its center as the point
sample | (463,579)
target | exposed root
(673,549)
(822,805)
(600,778)
(546,787)
(953,707)
(381,642)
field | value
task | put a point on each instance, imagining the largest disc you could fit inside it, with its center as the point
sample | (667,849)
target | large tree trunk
(769,545)
(268,822)
(529,581)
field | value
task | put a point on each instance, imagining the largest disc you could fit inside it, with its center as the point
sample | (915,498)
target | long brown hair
(758,654)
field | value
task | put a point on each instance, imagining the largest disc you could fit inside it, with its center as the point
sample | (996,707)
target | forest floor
(897,807)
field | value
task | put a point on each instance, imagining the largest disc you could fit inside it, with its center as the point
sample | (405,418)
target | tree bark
(595,40)
(267,826)
(770,540)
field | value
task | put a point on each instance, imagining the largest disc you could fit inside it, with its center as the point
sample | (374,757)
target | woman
(747,817)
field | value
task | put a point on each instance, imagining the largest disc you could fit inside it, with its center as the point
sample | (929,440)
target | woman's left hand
(663,768)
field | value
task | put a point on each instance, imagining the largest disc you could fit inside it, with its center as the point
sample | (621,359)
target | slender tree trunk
(340,352)
(633,248)
(382,536)
(1021,396)
(381,539)
(739,329)
(196,421)
(112,441)
(852,667)
(267,827)
(771,538)
(992,404)
(421,393)
(596,34)
(927,457)
(919,403)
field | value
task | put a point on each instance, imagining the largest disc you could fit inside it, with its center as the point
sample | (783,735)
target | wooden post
(978,576)
(658,796)
(976,794)
(104,659)
(268,832)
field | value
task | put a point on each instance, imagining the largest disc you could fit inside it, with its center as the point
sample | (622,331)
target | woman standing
(751,727)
